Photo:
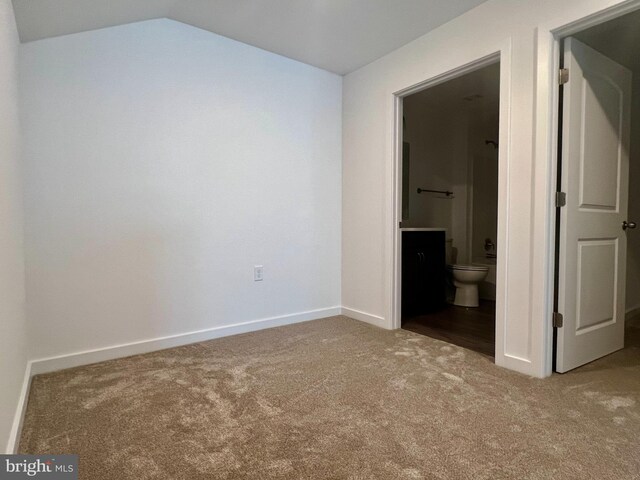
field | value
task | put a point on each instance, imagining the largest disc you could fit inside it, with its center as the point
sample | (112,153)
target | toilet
(466,279)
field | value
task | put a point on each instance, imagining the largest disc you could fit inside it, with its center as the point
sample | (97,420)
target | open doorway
(449,197)
(598,259)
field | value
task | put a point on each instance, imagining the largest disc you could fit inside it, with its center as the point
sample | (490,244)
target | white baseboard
(366,317)
(16,429)
(51,364)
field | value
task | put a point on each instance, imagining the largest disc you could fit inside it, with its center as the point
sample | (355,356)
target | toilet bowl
(466,279)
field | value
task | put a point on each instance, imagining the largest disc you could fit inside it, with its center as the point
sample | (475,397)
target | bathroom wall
(13,328)
(446,127)
(484,184)
(162,162)
(437,140)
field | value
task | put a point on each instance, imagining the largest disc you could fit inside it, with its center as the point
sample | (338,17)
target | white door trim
(502,55)
(546,166)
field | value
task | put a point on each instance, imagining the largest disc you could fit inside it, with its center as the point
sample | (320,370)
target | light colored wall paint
(162,163)
(13,343)
(462,186)
(368,163)
(484,161)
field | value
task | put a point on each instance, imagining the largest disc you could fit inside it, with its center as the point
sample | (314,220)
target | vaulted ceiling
(336,35)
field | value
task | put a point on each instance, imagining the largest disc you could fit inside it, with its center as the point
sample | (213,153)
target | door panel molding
(595,170)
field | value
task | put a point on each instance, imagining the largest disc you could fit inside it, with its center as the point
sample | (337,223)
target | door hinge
(564,76)
(561,199)
(558,320)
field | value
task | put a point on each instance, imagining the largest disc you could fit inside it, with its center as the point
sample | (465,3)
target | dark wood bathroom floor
(472,328)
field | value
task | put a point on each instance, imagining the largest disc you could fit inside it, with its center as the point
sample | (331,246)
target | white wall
(162,163)
(368,164)
(13,344)
(432,137)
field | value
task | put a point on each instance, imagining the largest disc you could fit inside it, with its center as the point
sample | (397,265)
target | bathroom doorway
(449,198)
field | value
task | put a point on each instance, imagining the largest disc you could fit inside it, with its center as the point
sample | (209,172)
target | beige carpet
(338,399)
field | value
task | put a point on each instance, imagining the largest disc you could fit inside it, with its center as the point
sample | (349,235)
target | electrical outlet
(258,273)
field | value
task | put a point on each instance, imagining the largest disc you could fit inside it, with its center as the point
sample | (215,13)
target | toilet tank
(487,288)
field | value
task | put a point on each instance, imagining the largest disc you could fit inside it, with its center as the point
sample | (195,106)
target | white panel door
(595,178)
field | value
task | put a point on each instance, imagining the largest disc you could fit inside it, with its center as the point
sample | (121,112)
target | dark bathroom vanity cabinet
(424,271)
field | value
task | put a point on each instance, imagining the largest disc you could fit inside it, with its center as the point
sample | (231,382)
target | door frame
(502,56)
(547,118)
